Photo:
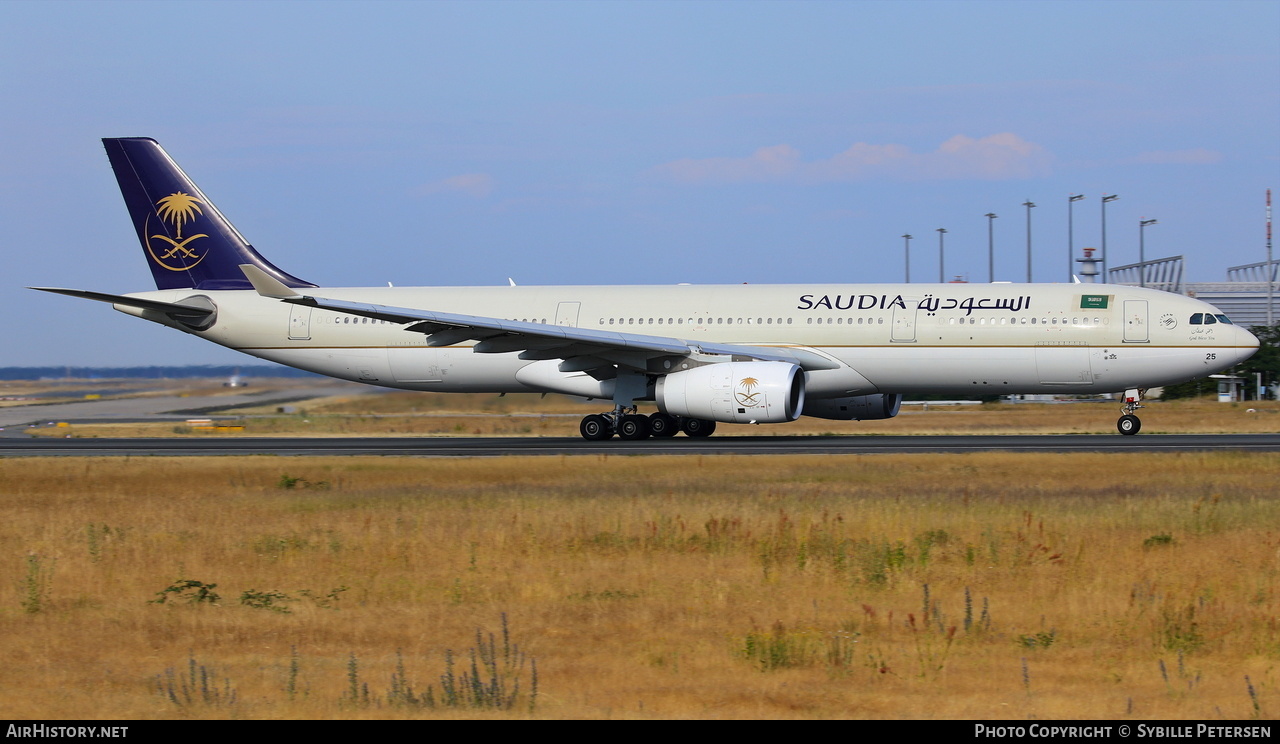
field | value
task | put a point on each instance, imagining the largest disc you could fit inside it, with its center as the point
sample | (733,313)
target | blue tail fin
(187,241)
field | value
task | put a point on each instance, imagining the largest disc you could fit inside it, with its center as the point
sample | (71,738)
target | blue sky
(448,143)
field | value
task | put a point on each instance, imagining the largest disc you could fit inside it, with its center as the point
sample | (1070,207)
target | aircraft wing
(582,349)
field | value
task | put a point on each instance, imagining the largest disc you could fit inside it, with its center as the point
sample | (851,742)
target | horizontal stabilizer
(170,308)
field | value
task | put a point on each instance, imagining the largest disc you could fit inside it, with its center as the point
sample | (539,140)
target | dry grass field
(991,586)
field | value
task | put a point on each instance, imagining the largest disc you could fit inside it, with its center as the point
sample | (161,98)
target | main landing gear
(630,425)
(1129,424)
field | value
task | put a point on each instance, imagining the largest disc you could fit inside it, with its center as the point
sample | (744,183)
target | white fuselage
(880,338)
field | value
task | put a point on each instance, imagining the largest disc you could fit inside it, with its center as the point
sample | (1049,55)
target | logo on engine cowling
(746,393)
(175,253)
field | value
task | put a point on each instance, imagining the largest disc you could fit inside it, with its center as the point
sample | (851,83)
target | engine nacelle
(734,392)
(857,408)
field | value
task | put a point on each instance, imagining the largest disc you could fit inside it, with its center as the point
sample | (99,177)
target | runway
(533,446)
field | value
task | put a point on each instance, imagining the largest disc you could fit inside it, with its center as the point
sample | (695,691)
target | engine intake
(734,392)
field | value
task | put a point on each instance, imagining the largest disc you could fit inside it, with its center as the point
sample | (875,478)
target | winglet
(267,285)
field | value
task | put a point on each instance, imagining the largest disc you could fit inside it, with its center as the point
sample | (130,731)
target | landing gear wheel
(1129,424)
(595,428)
(693,427)
(633,427)
(662,426)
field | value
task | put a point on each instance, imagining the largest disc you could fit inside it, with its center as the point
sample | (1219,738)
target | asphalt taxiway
(537,446)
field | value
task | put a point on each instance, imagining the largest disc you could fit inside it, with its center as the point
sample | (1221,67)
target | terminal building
(1244,296)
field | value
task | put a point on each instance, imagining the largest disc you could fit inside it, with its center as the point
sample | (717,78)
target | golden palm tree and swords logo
(177,209)
(746,394)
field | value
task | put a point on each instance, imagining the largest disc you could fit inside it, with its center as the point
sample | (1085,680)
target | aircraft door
(904,323)
(567,314)
(300,323)
(1135,321)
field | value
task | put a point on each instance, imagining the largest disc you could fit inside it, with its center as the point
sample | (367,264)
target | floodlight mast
(1028,204)
(991,246)
(907,239)
(1105,199)
(1142,251)
(1071,242)
(941,276)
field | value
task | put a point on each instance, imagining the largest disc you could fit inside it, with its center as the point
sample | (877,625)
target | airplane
(761,354)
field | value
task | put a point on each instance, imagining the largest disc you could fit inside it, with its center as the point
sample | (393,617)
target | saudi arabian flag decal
(1098,302)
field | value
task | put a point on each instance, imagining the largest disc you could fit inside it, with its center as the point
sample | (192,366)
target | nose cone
(1246,344)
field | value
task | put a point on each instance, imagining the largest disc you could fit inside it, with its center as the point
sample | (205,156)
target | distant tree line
(152,372)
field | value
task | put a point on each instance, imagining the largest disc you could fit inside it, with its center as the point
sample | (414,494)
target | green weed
(195,592)
(37,583)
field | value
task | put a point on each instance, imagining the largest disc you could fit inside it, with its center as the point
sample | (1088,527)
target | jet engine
(857,408)
(734,392)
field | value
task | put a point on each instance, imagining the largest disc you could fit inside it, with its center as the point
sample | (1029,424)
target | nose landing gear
(1129,424)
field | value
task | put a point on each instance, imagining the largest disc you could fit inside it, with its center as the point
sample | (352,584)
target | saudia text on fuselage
(929,303)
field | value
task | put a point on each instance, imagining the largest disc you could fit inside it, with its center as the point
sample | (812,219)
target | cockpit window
(1197,318)
(1224,319)
(1209,319)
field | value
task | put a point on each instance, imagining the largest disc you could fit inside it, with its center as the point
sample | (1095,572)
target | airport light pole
(1105,199)
(991,246)
(1028,204)
(907,239)
(941,278)
(1142,251)
(1071,241)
